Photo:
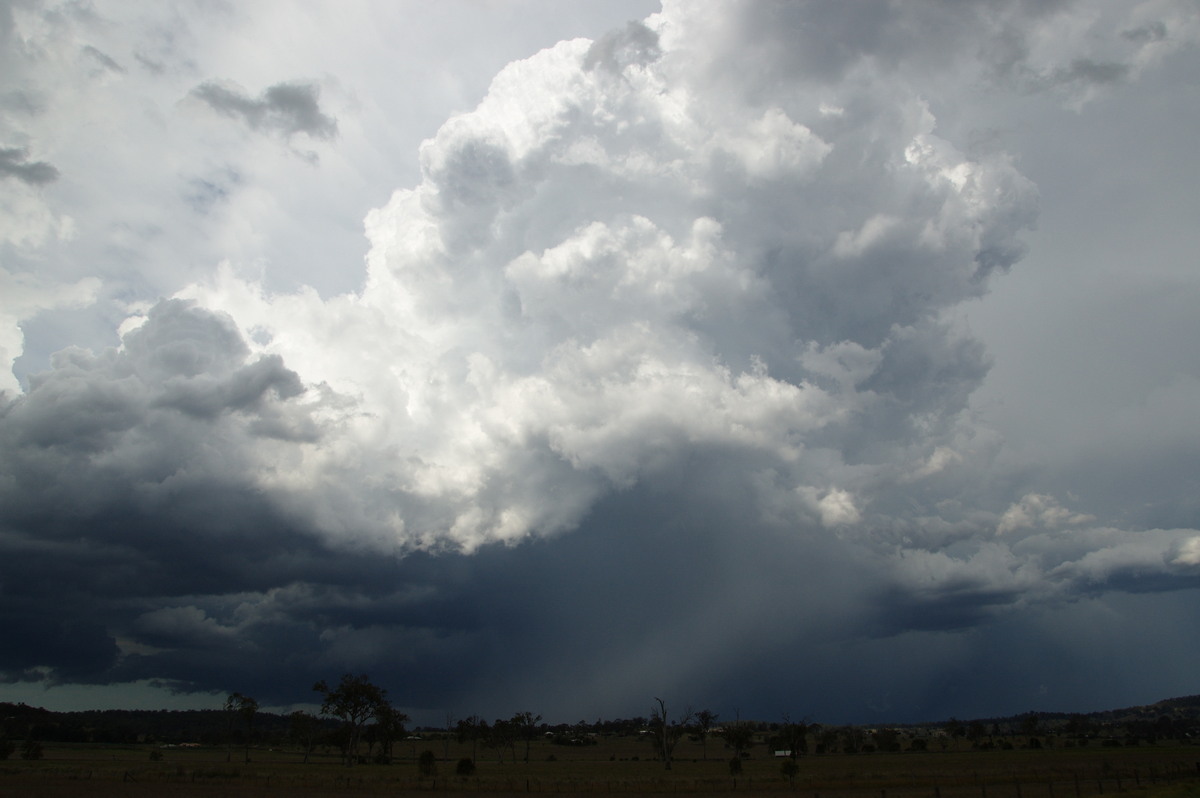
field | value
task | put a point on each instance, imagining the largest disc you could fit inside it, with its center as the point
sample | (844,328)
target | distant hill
(1183,708)
(204,726)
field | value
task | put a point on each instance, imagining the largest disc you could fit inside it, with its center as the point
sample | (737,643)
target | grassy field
(614,766)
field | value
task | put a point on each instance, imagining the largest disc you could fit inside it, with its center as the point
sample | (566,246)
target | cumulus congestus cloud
(666,322)
(605,267)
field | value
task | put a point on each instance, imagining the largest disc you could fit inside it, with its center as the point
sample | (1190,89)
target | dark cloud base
(661,591)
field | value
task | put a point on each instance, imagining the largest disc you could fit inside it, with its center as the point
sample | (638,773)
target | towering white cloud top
(609,264)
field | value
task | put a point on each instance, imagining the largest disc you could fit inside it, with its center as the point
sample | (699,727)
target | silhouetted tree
(886,740)
(355,701)
(240,707)
(469,730)
(304,729)
(739,736)
(446,737)
(32,749)
(852,739)
(703,727)
(389,727)
(1030,724)
(526,725)
(665,733)
(794,736)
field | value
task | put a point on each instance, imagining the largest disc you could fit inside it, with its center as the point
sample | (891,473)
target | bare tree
(665,733)
(449,733)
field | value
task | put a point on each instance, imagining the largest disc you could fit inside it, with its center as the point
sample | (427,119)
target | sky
(821,359)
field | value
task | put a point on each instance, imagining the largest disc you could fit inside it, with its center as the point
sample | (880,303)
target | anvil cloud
(663,373)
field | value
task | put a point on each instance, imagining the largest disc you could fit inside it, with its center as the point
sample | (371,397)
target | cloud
(26,295)
(285,108)
(14,163)
(1037,510)
(1189,552)
(669,320)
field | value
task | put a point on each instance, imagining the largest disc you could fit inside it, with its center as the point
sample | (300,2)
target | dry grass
(615,766)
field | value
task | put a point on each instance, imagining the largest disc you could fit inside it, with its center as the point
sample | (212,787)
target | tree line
(357,719)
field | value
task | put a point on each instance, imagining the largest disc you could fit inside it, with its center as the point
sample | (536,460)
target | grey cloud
(1085,70)
(25,102)
(241,390)
(14,163)
(104,60)
(1150,32)
(204,194)
(635,44)
(286,108)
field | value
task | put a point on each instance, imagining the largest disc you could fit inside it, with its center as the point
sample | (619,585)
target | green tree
(355,702)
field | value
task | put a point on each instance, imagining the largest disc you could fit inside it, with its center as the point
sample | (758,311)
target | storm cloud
(657,380)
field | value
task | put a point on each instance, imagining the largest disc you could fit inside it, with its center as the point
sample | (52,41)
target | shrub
(427,764)
(7,747)
(156,756)
(465,767)
(788,768)
(31,750)
(735,766)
